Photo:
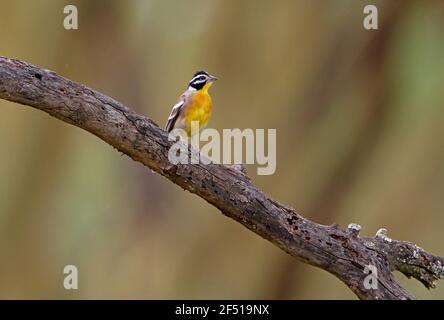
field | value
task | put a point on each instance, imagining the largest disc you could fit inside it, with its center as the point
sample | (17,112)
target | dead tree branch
(340,252)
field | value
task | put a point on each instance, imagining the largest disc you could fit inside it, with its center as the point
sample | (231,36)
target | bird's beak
(213,78)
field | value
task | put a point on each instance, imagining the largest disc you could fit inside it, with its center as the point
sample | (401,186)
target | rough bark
(339,251)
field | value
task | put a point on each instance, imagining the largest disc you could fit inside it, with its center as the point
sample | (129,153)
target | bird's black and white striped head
(200,79)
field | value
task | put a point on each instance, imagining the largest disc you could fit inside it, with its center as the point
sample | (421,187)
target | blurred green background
(359,139)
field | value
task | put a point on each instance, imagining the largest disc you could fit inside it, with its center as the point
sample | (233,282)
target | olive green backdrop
(359,119)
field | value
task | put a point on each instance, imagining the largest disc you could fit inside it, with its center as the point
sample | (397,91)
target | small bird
(193,105)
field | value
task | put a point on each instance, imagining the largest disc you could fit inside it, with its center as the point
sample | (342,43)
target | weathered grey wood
(340,252)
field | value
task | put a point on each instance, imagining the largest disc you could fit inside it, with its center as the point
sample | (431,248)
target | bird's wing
(174,114)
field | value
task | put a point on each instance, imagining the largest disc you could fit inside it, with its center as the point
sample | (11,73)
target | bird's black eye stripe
(200,79)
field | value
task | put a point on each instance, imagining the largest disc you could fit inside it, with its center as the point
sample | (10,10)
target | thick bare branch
(338,251)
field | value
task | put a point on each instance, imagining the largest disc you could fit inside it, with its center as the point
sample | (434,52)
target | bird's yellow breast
(199,109)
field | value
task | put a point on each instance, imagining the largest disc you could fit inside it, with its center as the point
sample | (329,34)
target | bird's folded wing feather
(174,114)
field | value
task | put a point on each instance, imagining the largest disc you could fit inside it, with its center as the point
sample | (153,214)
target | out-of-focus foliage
(359,139)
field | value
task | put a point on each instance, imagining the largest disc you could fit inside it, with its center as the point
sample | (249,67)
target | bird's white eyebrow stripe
(199,75)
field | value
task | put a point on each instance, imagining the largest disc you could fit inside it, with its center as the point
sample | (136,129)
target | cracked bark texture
(339,251)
